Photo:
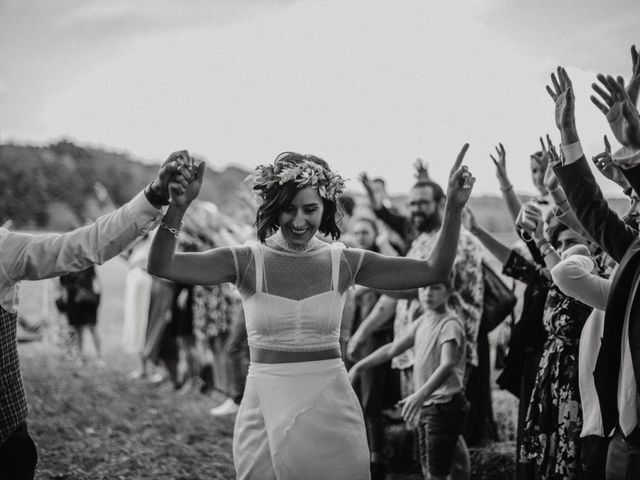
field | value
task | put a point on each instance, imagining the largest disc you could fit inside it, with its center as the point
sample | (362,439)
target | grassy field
(94,423)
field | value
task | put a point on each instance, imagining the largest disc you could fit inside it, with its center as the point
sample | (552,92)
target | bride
(299,417)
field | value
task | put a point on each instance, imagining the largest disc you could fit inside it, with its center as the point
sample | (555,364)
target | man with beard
(426,206)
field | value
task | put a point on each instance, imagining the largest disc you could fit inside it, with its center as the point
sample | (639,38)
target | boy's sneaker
(228,407)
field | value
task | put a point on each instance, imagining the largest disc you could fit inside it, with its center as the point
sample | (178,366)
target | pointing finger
(460,158)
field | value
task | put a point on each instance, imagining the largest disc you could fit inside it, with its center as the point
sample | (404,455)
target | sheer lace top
(294,301)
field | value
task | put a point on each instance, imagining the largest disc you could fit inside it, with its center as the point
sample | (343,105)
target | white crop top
(294,301)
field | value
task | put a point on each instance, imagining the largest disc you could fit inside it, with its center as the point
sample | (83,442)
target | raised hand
(364,179)
(422,169)
(616,105)
(501,165)
(605,164)
(562,95)
(633,87)
(550,180)
(460,182)
(168,170)
(185,185)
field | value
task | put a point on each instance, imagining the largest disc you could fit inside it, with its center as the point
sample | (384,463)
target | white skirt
(300,421)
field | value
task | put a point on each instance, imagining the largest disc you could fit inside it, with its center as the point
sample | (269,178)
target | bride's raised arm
(195,268)
(393,273)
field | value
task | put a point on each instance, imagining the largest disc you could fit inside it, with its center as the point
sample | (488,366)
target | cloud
(586,34)
(47,45)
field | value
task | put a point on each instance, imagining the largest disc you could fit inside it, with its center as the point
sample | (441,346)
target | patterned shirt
(466,299)
(35,257)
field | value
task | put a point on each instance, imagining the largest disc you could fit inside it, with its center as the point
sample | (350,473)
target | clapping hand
(562,95)
(501,165)
(621,113)
(460,182)
(607,166)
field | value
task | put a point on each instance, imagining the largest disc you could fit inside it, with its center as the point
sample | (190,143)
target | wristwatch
(154,198)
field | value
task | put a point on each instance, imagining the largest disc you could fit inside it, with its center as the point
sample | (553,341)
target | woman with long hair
(299,416)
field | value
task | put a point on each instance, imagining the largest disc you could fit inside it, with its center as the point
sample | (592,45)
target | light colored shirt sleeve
(626,157)
(35,257)
(572,153)
(573,276)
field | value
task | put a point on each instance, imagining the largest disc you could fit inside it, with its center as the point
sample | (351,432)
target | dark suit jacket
(621,243)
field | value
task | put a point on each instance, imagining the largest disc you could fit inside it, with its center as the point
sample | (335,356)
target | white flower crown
(304,174)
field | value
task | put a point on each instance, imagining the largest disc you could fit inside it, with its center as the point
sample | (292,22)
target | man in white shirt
(35,257)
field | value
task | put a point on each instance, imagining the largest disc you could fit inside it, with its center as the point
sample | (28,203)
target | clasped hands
(180,178)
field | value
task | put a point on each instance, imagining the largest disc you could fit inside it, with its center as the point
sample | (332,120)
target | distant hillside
(53,187)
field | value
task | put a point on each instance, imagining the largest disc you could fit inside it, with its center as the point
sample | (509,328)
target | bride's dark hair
(278,197)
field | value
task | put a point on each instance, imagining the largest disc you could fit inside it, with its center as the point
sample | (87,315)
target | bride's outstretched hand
(185,186)
(460,182)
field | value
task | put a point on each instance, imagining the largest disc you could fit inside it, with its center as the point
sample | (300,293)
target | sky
(369,85)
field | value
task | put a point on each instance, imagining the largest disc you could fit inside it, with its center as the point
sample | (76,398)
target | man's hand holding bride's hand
(186,181)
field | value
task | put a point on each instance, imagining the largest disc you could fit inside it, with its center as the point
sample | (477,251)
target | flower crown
(305,173)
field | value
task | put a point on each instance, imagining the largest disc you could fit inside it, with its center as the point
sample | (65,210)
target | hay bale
(495,462)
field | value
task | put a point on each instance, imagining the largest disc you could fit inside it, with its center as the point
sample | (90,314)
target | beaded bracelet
(174,231)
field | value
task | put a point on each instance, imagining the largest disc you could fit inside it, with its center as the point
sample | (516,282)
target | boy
(438,407)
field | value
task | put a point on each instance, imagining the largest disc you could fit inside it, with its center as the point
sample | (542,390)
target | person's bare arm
(389,273)
(382,311)
(509,196)
(194,268)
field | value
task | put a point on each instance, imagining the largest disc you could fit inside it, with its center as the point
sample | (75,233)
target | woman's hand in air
(460,182)
(185,185)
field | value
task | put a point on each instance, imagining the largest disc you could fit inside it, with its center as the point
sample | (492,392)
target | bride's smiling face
(299,221)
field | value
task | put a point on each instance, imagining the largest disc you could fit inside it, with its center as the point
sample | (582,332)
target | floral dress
(554,419)
(214,309)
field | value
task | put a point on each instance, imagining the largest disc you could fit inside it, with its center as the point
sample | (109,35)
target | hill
(55,187)
(58,187)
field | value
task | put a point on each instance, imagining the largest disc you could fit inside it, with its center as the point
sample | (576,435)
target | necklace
(289,246)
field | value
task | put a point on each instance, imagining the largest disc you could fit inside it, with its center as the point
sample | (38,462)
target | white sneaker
(228,407)
(156,378)
(136,374)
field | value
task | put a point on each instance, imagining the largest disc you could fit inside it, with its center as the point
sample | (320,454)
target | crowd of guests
(573,357)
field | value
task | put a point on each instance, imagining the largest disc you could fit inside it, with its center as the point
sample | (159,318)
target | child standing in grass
(438,408)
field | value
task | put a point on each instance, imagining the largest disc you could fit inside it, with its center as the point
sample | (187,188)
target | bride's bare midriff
(260,355)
